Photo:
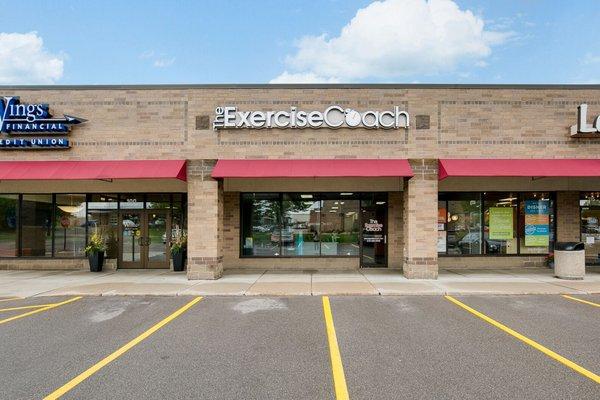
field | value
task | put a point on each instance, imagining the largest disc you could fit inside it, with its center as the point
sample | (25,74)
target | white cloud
(301,77)
(159,60)
(590,59)
(163,62)
(395,38)
(23,60)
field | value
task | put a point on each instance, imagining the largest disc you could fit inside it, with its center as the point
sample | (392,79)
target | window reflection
(37,225)
(301,220)
(261,227)
(69,226)
(500,214)
(9,218)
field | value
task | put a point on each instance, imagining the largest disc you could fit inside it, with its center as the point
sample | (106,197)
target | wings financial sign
(21,123)
(333,117)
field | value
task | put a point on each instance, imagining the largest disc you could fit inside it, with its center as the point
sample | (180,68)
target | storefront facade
(303,177)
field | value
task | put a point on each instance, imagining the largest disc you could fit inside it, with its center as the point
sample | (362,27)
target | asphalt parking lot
(426,347)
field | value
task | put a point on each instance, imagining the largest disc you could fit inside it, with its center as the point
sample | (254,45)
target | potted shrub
(178,250)
(95,252)
(549,261)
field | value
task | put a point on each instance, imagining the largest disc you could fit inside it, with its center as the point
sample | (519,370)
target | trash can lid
(569,246)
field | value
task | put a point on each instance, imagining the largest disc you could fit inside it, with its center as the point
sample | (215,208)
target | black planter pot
(96,260)
(178,260)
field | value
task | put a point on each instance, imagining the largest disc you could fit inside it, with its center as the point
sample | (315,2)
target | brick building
(412,177)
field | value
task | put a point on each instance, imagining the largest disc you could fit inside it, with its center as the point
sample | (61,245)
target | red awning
(311,168)
(519,168)
(91,170)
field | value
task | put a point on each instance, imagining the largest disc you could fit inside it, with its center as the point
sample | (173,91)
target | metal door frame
(143,241)
(385,235)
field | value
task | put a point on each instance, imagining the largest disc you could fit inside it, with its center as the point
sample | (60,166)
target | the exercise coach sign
(20,123)
(332,117)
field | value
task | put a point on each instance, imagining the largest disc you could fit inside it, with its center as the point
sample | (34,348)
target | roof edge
(557,86)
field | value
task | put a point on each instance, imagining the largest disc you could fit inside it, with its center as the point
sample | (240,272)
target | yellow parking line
(339,379)
(581,300)
(119,352)
(39,310)
(26,307)
(11,299)
(526,340)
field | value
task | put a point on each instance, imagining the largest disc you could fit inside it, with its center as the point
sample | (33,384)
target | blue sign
(22,118)
(19,119)
(537,223)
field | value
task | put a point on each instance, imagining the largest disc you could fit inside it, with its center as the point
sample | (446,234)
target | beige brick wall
(160,123)
(491,262)
(205,222)
(420,216)
(567,217)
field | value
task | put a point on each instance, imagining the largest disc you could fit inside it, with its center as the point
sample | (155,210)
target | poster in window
(501,223)
(537,223)
(441,243)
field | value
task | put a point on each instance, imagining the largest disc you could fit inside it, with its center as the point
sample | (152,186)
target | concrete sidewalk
(275,283)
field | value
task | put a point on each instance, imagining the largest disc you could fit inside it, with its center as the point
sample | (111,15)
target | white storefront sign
(583,128)
(332,117)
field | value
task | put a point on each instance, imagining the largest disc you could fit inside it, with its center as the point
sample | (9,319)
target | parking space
(569,328)
(277,347)
(426,347)
(43,351)
(229,348)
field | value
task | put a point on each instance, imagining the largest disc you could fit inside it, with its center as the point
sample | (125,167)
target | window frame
(182,202)
(520,197)
(318,196)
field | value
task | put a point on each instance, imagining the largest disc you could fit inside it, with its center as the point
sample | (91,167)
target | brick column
(420,220)
(567,217)
(205,222)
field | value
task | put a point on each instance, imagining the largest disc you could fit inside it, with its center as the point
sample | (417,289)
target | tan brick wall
(205,222)
(420,216)
(137,123)
(567,217)
(491,262)
(160,123)
(45,264)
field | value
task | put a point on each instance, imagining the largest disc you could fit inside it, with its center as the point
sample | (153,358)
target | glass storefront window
(103,217)
(36,220)
(500,229)
(300,224)
(339,225)
(69,225)
(9,223)
(536,223)
(301,221)
(261,226)
(158,201)
(589,204)
(102,202)
(463,226)
(513,223)
(131,201)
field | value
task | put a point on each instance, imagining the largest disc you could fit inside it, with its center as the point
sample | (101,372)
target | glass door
(146,236)
(374,231)
(158,238)
(132,239)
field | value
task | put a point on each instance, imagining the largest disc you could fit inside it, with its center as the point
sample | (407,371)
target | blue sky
(113,42)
